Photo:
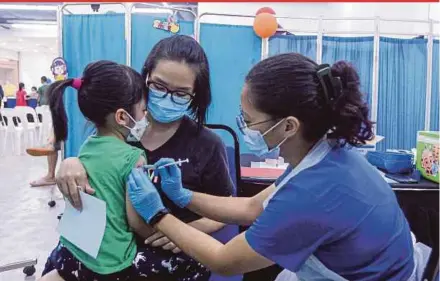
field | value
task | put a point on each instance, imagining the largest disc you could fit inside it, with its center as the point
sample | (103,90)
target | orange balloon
(265,25)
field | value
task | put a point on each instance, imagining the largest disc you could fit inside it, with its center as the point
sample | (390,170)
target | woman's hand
(171,182)
(143,195)
(72,177)
(160,240)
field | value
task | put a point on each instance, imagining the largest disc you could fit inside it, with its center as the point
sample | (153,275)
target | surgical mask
(255,140)
(162,108)
(138,130)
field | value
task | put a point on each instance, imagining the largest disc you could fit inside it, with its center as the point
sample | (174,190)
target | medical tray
(391,162)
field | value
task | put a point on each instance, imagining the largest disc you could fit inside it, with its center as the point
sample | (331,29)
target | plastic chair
(229,231)
(30,123)
(45,118)
(13,128)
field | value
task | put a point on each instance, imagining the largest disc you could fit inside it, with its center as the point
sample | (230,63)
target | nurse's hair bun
(350,112)
(326,100)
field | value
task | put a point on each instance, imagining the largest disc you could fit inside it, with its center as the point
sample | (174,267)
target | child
(112,96)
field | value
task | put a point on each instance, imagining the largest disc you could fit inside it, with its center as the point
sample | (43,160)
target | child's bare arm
(134,220)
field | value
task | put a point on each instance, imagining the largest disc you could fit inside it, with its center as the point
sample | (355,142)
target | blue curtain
(402,91)
(305,45)
(88,38)
(435,90)
(232,51)
(144,36)
(358,51)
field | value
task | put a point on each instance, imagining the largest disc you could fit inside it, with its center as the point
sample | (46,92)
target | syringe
(178,162)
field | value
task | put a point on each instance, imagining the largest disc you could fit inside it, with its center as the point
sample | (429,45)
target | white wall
(416,11)
(8,54)
(34,65)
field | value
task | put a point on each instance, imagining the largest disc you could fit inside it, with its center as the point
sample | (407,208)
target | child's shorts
(148,264)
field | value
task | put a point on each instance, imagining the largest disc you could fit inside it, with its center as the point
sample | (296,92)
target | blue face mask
(255,140)
(162,108)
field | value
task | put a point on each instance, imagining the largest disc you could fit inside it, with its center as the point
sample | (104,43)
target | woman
(330,216)
(21,95)
(177,74)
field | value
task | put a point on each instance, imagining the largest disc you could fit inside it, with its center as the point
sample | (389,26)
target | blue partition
(232,51)
(358,51)
(144,36)
(402,91)
(305,45)
(88,38)
(435,89)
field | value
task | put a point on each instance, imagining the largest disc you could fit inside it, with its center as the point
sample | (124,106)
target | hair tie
(76,83)
(331,86)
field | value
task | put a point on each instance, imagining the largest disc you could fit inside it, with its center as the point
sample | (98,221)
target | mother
(330,216)
(177,74)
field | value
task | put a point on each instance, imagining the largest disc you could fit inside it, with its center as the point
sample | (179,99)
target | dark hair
(43,79)
(34,88)
(106,87)
(20,86)
(183,48)
(288,85)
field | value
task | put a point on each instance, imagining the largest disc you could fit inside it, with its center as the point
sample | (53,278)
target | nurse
(330,216)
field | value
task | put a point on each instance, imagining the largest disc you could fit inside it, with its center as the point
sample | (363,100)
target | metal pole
(60,54)
(128,7)
(375,82)
(264,48)
(319,41)
(429,77)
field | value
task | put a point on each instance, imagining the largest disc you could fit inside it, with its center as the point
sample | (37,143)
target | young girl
(112,96)
(21,95)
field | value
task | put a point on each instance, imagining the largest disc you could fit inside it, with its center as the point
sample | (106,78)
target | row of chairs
(23,123)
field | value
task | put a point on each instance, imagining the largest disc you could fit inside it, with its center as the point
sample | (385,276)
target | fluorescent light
(152,11)
(33,26)
(165,4)
(29,7)
(32,22)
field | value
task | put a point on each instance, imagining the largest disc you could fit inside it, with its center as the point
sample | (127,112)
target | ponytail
(349,112)
(56,105)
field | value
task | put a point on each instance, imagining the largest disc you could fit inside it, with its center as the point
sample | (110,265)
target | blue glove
(143,195)
(171,183)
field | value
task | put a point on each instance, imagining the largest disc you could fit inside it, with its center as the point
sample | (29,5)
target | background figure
(2,94)
(34,93)
(21,95)
(51,151)
(42,97)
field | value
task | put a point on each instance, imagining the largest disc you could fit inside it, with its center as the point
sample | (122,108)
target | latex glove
(143,195)
(171,183)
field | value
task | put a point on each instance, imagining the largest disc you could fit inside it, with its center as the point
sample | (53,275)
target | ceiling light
(29,7)
(33,26)
(151,11)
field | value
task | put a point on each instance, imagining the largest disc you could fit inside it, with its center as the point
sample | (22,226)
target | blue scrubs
(341,211)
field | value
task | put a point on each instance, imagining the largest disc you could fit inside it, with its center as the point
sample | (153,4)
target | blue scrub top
(344,213)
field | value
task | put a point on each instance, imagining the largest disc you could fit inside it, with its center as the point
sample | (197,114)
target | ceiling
(31,27)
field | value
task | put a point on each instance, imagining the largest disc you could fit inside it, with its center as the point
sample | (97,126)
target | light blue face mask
(255,140)
(162,108)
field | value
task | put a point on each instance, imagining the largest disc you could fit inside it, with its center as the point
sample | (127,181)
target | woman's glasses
(178,97)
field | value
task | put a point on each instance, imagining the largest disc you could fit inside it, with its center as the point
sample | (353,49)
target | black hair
(43,79)
(34,88)
(183,48)
(20,86)
(106,87)
(288,85)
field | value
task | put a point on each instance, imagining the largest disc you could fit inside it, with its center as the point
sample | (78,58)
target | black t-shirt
(207,170)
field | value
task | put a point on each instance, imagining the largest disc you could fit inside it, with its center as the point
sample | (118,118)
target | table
(419,202)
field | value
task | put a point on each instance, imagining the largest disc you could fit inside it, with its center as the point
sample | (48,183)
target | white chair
(13,129)
(45,118)
(3,129)
(29,121)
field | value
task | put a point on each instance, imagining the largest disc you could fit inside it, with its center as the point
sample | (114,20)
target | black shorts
(149,264)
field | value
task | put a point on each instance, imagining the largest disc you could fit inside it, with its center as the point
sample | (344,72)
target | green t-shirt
(108,162)
(42,94)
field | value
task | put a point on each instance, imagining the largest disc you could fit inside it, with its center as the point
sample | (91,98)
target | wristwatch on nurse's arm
(158,217)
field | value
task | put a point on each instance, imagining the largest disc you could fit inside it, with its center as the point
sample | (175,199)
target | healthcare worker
(330,216)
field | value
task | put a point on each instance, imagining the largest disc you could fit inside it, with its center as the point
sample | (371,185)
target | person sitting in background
(51,151)
(34,93)
(42,98)
(21,95)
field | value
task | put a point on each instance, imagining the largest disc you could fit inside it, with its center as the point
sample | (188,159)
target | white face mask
(138,130)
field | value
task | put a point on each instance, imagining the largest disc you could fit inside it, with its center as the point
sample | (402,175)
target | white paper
(84,229)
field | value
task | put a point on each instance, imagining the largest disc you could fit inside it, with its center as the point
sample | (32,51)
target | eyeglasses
(178,97)
(242,125)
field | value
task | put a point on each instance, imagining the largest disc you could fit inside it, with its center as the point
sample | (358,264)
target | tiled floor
(27,223)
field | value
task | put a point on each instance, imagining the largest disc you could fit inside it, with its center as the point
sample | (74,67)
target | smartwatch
(157,217)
